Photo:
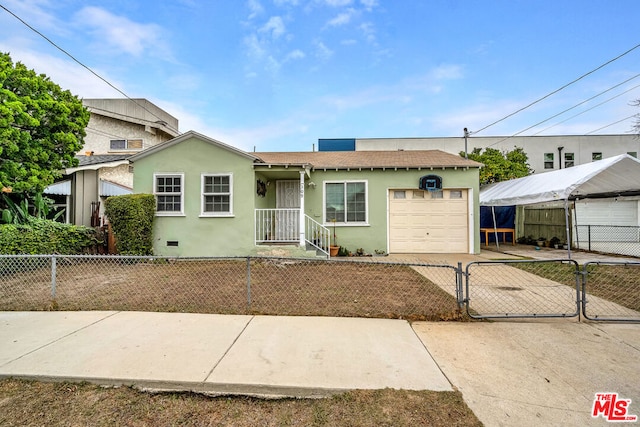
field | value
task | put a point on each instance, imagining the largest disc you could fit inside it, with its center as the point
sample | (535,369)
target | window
(568,160)
(437,194)
(455,194)
(168,189)
(418,194)
(346,202)
(596,156)
(548,160)
(217,197)
(399,195)
(125,144)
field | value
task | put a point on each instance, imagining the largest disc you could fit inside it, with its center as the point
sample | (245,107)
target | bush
(40,236)
(131,217)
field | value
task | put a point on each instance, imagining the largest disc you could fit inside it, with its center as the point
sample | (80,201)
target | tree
(499,165)
(42,127)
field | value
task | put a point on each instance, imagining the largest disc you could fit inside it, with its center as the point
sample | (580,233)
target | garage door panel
(428,224)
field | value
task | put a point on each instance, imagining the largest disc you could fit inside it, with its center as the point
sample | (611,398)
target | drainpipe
(302,218)
(560,157)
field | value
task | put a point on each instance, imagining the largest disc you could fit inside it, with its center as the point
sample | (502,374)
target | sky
(277,75)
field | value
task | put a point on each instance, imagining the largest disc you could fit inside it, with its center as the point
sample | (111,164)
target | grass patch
(618,283)
(38,403)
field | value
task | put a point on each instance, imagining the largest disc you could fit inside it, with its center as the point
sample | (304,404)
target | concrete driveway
(537,373)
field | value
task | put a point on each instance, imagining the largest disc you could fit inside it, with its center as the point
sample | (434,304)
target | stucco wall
(101,130)
(201,236)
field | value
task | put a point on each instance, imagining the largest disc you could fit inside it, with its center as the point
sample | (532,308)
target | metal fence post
(589,237)
(459,298)
(249,283)
(53,277)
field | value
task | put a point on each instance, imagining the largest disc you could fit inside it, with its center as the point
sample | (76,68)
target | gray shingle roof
(368,159)
(101,158)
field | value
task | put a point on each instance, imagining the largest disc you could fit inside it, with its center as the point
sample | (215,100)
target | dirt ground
(233,286)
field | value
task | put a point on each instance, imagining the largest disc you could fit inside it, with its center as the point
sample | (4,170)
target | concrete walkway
(510,373)
(217,354)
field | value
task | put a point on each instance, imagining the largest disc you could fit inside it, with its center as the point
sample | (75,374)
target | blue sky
(278,75)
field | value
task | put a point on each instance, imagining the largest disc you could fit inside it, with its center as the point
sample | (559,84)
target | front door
(288,217)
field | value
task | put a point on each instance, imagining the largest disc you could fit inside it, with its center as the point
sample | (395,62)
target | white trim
(155,192)
(472,223)
(203,213)
(345,223)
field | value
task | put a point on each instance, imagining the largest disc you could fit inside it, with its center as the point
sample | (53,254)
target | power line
(572,107)
(78,62)
(588,109)
(559,89)
(611,124)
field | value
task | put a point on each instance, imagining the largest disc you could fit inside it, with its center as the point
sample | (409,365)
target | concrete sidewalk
(217,354)
(510,373)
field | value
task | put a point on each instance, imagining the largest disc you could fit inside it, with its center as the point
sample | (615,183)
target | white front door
(287,221)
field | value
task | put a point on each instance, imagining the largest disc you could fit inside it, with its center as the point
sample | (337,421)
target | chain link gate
(523,289)
(611,291)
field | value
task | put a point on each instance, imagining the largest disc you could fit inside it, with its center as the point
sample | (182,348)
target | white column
(302,218)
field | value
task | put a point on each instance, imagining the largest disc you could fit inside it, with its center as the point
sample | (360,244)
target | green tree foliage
(42,127)
(131,217)
(499,165)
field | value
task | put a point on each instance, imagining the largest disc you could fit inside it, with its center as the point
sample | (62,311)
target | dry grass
(619,283)
(277,287)
(27,403)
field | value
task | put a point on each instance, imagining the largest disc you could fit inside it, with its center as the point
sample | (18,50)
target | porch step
(288,251)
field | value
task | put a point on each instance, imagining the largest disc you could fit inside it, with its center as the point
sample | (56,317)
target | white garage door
(428,222)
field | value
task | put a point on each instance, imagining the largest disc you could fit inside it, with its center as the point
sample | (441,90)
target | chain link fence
(275,286)
(611,291)
(610,239)
(500,289)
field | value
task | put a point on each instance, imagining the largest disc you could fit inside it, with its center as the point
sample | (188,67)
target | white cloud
(295,54)
(369,31)
(342,18)
(275,27)
(255,8)
(255,49)
(337,3)
(66,73)
(285,2)
(119,32)
(322,51)
(369,4)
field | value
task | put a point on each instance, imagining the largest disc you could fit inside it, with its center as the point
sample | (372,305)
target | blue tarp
(505,218)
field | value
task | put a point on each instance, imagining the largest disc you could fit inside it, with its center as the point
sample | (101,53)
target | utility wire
(559,89)
(588,109)
(78,62)
(571,108)
(611,124)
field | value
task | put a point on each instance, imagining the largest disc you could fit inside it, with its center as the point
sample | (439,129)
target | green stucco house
(216,200)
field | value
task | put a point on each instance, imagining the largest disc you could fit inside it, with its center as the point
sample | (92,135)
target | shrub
(131,217)
(40,236)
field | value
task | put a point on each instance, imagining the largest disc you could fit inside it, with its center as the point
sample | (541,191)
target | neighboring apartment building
(545,153)
(117,129)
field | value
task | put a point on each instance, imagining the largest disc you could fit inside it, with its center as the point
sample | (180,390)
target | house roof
(367,159)
(185,136)
(95,162)
(614,176)
(100,158)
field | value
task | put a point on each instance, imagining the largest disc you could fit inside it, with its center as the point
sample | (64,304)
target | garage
(428,221)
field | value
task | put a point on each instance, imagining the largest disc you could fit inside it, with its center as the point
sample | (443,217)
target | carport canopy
(610,177)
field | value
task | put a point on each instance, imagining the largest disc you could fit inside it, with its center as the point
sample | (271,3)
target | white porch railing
(317,235)
(283,226)
(277,226)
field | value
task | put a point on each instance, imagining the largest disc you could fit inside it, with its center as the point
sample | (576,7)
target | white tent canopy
(614,176)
